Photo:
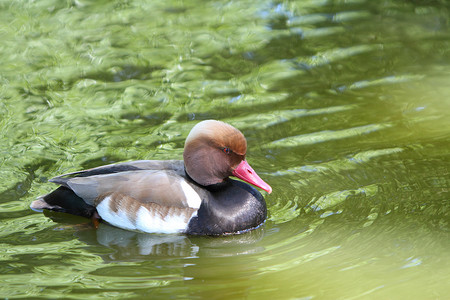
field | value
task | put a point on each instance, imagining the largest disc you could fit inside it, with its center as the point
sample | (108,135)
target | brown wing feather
(131,206)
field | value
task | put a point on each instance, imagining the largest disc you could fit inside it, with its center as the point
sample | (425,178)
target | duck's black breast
(231,207)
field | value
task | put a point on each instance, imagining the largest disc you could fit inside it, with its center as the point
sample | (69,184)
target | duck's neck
(210,187)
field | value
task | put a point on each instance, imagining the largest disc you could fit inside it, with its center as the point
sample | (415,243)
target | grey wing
(166,188)
(170,165)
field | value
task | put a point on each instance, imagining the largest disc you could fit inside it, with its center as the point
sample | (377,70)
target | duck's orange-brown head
(215,150)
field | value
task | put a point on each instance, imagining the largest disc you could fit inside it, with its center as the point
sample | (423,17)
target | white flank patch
(146,221)
(152,223)
(192,197)
(118,219)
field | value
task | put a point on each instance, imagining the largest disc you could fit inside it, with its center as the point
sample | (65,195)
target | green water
(345,106)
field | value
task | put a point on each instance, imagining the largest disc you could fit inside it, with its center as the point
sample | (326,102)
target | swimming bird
(193,196)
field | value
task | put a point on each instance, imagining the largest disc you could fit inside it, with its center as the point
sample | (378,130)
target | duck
(193,196)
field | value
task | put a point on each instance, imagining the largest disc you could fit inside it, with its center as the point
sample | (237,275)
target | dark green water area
(345,106)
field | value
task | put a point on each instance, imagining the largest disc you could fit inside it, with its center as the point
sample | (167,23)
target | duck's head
(214,151)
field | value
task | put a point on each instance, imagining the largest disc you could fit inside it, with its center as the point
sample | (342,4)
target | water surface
(344,105)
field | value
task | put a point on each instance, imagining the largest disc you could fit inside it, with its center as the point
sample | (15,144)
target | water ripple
(333,55)
(324,136)
(262,121)
(335,198)
(351,162)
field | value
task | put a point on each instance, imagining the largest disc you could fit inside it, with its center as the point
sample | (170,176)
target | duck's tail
(63,199)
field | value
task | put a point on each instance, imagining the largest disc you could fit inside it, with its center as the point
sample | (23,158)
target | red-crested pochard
(194,196)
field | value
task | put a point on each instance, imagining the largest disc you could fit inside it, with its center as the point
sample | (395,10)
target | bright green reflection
(344,105)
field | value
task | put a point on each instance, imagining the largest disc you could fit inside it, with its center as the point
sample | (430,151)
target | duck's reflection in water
(134,244)
(130,245)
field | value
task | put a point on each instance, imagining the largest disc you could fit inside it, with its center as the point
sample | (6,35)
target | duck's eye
(226,150)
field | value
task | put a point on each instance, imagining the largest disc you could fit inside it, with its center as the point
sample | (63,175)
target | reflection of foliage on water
(343,104)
